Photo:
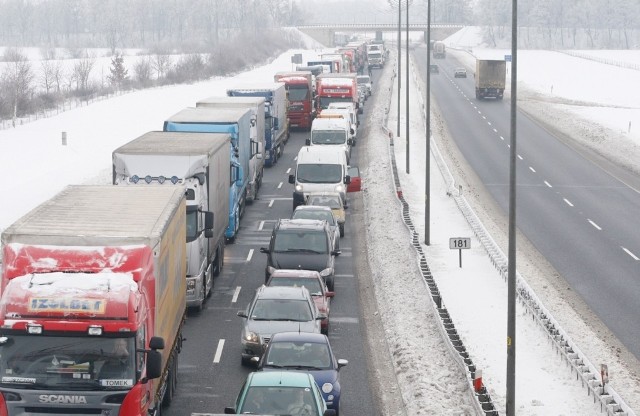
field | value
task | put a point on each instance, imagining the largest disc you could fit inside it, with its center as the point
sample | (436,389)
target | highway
(579,211)
(210,373)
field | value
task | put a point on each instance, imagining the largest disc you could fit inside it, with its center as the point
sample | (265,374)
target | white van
(353,112)
(332,130)
(319,169)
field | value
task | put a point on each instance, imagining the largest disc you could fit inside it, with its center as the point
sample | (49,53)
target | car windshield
(314,214)
(312,285)
(327,201)
(282,310)
(299,354)
(319,173)
(301,241)
(298,92)
(328,136)
(278,400)
(72,363)
(325,101)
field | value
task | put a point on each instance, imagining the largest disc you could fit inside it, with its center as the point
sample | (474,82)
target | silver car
(318,212)
(277,309)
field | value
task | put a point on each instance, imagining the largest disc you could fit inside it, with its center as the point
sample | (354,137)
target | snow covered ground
(35,166)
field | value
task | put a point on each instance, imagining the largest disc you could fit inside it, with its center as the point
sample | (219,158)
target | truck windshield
(69,363)
(298,92)
(328,137)
(325,101)
(319,173)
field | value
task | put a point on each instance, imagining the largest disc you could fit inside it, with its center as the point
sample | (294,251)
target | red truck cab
(299,87)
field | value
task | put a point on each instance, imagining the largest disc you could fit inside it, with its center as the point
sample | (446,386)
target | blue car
(280,393)
(310,353)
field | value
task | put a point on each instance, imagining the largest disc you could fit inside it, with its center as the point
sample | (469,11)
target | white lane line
(495,130)
(250,255)
(484,117)
(236,293)
(630,253)
(596,226)
(280,185)
(216,357)
(548,184)
(568,202)
(520,157)
(288,170)
(271,203)
(532,169)
(261,226)
(489,123)
(501,138)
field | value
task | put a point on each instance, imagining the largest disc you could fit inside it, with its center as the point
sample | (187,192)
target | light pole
(406,86)
(427,165)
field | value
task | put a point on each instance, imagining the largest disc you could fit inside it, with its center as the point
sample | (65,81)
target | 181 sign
(459,243)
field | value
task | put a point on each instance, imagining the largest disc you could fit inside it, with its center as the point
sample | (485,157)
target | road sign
(296,59)
(507,58)
(459,243)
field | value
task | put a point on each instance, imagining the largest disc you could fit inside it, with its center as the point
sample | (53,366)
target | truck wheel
(171,385)
(329,281)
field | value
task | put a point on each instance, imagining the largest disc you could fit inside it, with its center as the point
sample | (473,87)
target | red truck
(92,287)
(336,88)
(300,94)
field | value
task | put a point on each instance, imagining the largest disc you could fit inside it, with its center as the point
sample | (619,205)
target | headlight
(327,388)
(299,188)
(252,337)
(327,272)
(340,188)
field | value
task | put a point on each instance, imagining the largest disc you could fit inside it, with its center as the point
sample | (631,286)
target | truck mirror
(292,179)
(208,220)
(347,179)
(352,131)
(156,343)
(154,364)
(208,233)
(307,142)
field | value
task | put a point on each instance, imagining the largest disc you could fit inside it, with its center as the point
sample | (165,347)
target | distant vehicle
(366,81)
(311,353)
(315,212)
(301,244)
(434,69)
(332,200)
(280,393)
(439,50)
(460,73)
(356,181)
(315,285)
(276,309)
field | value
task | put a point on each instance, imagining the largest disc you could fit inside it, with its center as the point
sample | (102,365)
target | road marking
(489,123)
(548,184)
(568,202)
(280,185)
(261,224)
(501,138)
(288,170)
(236,293)
(594,224)
(250,255)
(484,117)
(630,253)
(532,169)
(271,203)
(520,157)
(495,130)
(216,358)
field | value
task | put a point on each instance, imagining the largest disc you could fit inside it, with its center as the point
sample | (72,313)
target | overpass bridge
(325,33)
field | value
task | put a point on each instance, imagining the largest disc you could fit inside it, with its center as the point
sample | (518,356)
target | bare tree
(81,71)
(142,71)
(18,78)
(161,64)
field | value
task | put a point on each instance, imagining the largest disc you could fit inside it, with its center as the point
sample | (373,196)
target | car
(315,285)
(276,309)
(434,69)
(366,81)
(318,212)
(332,200)
(301,244)
(311,353)
(280,393)
(460,73)
(356,181)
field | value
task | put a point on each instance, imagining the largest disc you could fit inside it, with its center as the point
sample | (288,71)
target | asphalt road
(576,209)
(210,373)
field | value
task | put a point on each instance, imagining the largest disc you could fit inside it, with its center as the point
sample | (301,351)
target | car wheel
(341,226)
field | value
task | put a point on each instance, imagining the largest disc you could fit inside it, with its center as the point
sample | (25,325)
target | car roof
(280,378)
(312,208)
(302,274)
(282,292)
(325,194)
(300,224)
(300,336)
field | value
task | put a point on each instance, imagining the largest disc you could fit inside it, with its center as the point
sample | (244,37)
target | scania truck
(93,290)
(299,86)
(199,162)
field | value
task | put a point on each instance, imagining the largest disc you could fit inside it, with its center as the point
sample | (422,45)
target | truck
(299,86)
(375,55)
(336,88)
(340,62)
(92,290)
(257,106)
(439,50)
(237,123)
(276,116)
(200,163)
(327,65)
(490,78)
